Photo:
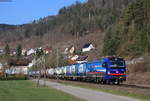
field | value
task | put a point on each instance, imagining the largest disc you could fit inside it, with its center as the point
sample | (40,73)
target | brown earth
(139,73)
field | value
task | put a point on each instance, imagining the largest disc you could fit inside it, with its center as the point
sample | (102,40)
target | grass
(143,97)
(21,90)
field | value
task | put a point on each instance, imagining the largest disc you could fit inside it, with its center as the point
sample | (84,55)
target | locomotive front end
(116,72)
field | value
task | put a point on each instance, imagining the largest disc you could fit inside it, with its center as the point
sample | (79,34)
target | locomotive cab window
(117,63)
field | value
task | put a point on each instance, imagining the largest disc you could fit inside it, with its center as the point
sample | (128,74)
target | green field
(22,90)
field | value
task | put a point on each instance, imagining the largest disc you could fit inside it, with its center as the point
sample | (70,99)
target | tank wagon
(106,70)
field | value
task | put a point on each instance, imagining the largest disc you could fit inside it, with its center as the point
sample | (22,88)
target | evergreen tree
(19,50)
(39,52)
(7,50)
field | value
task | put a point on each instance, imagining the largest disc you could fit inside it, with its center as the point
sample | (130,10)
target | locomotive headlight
(108,72)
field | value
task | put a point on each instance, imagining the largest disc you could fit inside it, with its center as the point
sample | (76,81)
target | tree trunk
(38,81)
(44,65)
(45,79)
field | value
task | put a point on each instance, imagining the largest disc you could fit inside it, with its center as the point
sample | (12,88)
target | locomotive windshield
(117,63)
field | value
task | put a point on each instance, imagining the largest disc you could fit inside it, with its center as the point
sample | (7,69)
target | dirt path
(87,94)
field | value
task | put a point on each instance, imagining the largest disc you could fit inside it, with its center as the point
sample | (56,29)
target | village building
(1,67)
(18,66)
(71,49)
(87,47)
(1,51)
(47,50)
(24,52)
(12,52)
(30,52)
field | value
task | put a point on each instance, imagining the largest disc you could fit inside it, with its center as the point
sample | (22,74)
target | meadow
(24,90)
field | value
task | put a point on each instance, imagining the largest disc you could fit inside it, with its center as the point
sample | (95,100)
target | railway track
(135,86)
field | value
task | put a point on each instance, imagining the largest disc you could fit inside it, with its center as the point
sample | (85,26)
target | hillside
(131,34)
(76,20)
(130,37)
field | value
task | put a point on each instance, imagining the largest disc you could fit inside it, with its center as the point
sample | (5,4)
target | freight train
(107,70)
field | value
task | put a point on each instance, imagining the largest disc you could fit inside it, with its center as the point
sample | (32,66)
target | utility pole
(44,65)
(89,16)
(57,57)
(38,65)
(77,39)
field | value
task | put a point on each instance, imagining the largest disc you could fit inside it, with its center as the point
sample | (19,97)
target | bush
(14,77)
(141,67)
(139,73)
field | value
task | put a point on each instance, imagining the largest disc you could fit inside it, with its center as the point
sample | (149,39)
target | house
(12,52)
(24,52)
(71,49)
(82,58)
(87,47)
(1,51)
(32,63)
(47,50)
(66,51)
(71,61)
(81,61)
(77,59)
(17,70)
(1,67)
(74,58)
(30,52)
(18,66)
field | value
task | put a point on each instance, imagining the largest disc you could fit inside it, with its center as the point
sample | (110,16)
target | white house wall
(18,70)
(88,48)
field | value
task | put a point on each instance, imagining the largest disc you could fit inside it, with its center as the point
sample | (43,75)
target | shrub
(14,77)
(141,67)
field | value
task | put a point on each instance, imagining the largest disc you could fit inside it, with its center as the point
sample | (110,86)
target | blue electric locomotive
(106,70)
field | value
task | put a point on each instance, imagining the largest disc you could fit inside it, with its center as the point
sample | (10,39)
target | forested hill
(125,23)
(77,18)
(130,35)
